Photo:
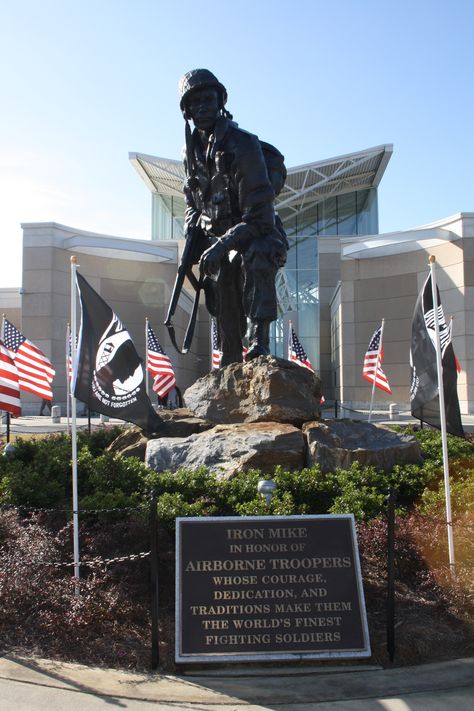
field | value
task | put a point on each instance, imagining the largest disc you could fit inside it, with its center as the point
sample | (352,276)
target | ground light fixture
(265,488)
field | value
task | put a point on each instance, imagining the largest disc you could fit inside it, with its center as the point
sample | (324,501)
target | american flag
(296,351)
(35,371)
(216,353)
(373,362)
(159,365)
(9,385)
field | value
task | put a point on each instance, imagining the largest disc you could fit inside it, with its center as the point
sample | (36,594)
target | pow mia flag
(108,374)
(424,391)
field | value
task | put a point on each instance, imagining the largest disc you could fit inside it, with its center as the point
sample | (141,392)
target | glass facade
(354,213)
(167,217)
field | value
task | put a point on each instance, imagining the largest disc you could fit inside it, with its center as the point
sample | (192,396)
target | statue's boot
(260,339)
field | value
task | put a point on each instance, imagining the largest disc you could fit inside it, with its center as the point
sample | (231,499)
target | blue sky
(84,83)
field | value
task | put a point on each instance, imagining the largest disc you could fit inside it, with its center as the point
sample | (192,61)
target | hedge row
(39,476)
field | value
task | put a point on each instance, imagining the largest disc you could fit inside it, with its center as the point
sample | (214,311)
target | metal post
(442,417)
(377,368)
(146,356)
(391,501)
(75,498)
(8,427)
(155,653)
(68,379)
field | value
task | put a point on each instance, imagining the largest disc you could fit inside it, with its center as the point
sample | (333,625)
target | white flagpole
(146,355)
(68,381)
(442,415)
(2,336)
(75,503)
(376,371)
(289,343)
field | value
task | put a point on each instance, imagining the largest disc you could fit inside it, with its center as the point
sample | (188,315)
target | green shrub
(431,446)
(462,495)
(101,505)
(98,440)
(281,504)
(110,471)
(39,473)
(171,505)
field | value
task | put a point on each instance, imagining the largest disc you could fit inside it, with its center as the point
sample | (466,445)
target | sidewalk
(32,424)
(31,683)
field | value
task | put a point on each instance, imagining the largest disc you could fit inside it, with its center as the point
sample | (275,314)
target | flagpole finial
(432,259)
(73,259)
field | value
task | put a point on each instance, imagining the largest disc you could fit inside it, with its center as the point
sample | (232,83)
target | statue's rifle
(185,269)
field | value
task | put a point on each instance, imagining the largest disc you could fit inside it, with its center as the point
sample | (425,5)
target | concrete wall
(387,287)
(134,277)
(10,305)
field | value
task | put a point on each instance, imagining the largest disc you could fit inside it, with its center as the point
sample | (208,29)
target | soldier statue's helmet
(198,79)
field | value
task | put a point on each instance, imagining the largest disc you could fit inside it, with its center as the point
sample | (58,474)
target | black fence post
(335,409)
(154,584)
(8,427)
(391,501)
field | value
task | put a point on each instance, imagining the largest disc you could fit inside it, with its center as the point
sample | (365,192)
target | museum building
(341,278)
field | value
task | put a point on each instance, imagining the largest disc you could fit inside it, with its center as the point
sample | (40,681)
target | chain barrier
(92,562)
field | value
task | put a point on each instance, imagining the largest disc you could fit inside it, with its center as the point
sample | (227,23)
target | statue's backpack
(275,166)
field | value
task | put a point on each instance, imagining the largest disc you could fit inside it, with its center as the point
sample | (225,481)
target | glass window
(328,217)
(306,247)
(347,214)
(167,217)
(367,212)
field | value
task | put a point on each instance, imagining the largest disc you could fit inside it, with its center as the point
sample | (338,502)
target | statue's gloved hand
(210,261)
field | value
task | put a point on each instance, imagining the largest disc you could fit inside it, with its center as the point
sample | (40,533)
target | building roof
(425,237)
(39,234)
(305,185)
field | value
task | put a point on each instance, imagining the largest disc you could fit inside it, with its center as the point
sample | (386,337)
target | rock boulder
(339,443)
(181,422)
(266,389)
(226,449)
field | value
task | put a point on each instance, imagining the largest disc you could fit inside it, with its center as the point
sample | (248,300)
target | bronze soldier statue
(231,182)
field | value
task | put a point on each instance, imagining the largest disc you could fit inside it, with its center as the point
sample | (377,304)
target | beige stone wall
(387,287)
(10,305)
(134,285)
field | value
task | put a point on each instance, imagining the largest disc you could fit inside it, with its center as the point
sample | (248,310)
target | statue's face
(203,105)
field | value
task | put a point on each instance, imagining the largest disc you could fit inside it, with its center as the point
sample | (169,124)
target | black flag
(424,391)
(109,375)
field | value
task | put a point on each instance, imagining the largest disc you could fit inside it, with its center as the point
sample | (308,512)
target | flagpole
(442,416)
(68,380)
(7,432)
(75,503)
(376,369)
(146,355)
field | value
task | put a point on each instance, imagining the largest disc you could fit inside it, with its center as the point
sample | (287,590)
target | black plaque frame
(195,588)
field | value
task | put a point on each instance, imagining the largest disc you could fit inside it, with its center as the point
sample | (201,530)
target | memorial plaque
(269,588)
